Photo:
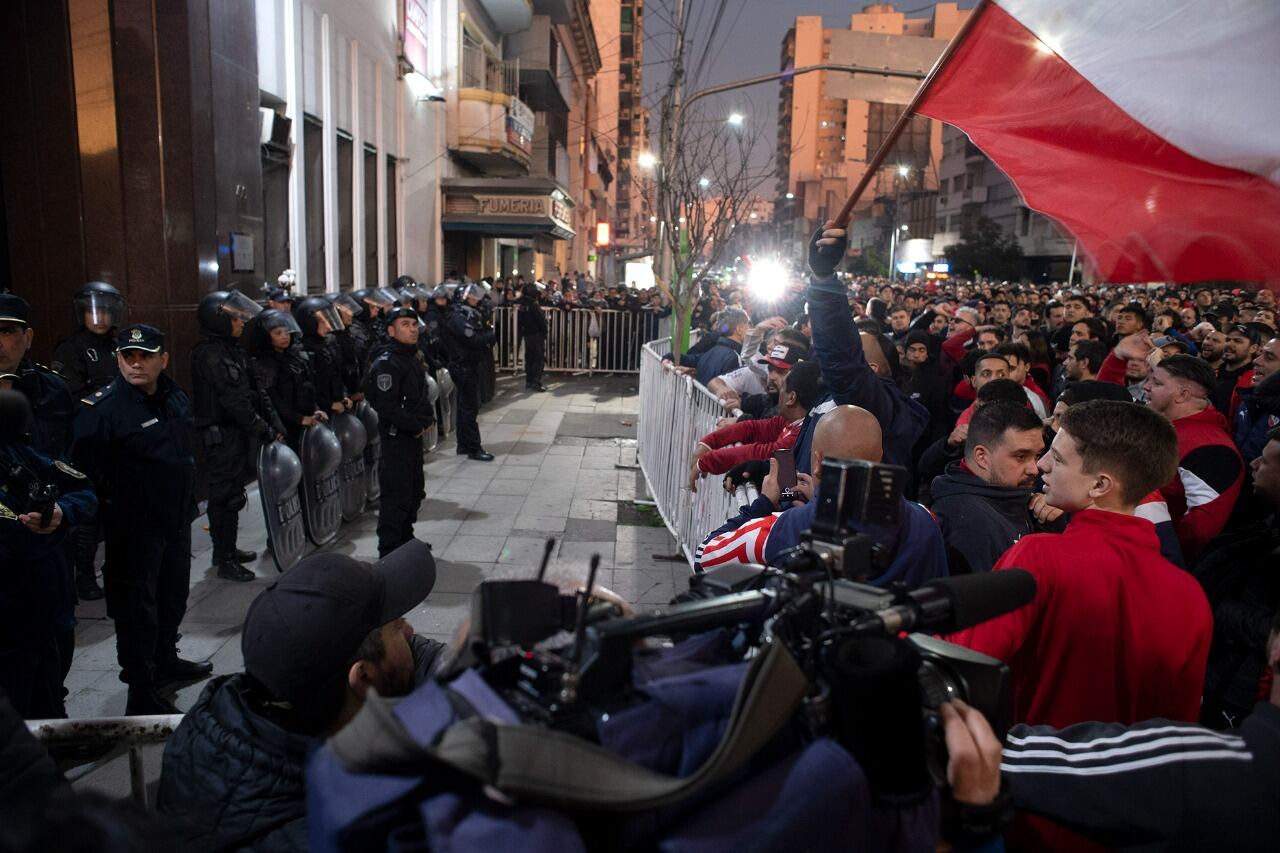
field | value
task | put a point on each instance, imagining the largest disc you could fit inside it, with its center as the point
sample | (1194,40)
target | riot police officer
(353,343)
(134,440)
(86,360)
(283,371)
(40,500)
(377,302)
(319,321)
(45,390)
(468,340)
(396,387)
(229,409)
(532,326)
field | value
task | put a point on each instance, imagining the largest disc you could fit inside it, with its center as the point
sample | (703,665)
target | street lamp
(904,170)
(704,182)
(790,196)
(647,160)
(736,119)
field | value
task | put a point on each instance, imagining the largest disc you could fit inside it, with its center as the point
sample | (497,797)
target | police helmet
(218,308)
(472,290)
(348,303)
(308,312)
(98,303)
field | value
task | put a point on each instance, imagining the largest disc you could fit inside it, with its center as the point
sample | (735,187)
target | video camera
(565,661)
(33,494)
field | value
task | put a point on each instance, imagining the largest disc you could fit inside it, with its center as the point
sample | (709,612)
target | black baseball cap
(1252,331)
(279,294)
(306,627)
(140,336)
(13,308)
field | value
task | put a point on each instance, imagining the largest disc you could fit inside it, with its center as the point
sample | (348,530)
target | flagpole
(873,165)
(1071,275)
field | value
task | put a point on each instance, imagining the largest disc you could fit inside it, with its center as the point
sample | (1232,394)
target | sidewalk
(565,461)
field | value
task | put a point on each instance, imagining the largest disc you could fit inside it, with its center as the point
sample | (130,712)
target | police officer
(229,408)
(319,320)
(377,302)
(396,387)
(468,340)
(283,371)
(353,343)
(280,299)
(86,360)
(134,440)
(45,390)
(532,326)
(40,500)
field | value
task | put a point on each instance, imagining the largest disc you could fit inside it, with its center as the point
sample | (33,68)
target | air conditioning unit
(275,128)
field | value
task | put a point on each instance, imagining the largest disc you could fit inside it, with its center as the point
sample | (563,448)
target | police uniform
(137,449)
(229,409)
(35,581)
(52,404)
(353,344)
(468,341)
(285,377)
(532,326)
(396,387)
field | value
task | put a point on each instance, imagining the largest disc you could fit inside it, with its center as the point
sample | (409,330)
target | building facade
(825,137)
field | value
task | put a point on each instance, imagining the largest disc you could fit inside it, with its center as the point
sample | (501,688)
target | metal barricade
(675,411)
(112,734)
(581,340)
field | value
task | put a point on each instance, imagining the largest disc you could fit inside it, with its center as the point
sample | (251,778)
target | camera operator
(315,642)
(41,499)
(760,533)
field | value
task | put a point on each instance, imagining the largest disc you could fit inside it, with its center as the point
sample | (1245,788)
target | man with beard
(1238,353)
(1257,409)
(1213,348)
(986,501)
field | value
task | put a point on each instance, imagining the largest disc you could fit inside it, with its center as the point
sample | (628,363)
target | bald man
(913,548)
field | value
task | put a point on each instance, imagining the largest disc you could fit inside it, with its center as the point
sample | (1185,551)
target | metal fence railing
(113,735)
(675,411)
(581,340)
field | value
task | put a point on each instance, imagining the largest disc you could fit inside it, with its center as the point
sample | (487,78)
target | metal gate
(581,340)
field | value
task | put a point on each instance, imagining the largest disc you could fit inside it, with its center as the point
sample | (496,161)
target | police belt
(567,771)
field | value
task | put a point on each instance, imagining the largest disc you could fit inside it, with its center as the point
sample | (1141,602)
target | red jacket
(1210,473)
(1116,632)
(747,440)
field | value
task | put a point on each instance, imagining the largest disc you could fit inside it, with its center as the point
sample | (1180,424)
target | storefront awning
(516,208)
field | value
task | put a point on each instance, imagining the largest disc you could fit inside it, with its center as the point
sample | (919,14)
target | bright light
(682,219)
(647,160)
(421,87)
(736,119)
(904,170)
(904,228)
(755,215)
(704,182)
(767,280)
(653,219)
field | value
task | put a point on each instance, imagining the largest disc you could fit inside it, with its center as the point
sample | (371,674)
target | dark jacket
(325,355)
(981,521)
(851,380)
(396,387)
(138,452)
(721,358)
(52,405)
(226,391)
(86,361)
(1257,414)
(232,778)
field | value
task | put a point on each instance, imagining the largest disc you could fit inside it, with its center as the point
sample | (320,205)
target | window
(627,20)
(393,259)
(346,228)
(275,213)
(370,217)
(912,147)
(313,180)
(940,225)
(1024,221)
(944,184)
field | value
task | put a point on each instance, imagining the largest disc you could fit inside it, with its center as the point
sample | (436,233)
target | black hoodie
(981,521)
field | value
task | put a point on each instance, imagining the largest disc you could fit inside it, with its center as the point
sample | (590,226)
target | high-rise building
(620,34)
(825,140)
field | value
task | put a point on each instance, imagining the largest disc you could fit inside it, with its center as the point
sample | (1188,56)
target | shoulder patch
(67,469)
(96,397)
(384,382)
(7,514)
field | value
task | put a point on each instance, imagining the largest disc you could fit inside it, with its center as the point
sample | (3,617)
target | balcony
(974,195)
(539,55)
(490,128)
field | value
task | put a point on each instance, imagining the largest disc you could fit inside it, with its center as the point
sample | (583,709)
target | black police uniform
(468,341)
(35,582)
(229,408)
(87,362)
(353,344)
(396,387)
(532,326)
(325,355)
(52,404)
(138,450)
(286,377)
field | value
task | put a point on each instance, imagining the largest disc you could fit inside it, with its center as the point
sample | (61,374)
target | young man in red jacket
(718,451)
(1116,632)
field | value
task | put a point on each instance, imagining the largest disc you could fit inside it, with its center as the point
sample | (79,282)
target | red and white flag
(1149,129)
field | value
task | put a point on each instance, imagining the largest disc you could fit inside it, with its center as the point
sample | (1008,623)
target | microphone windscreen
(977,598)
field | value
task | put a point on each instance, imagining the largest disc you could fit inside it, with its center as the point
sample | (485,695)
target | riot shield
(446,407)
(321,481)
(431,435)
(372,450)
(350,431)
(279,477)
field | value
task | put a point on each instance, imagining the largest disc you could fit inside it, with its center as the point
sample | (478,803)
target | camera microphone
(953,604)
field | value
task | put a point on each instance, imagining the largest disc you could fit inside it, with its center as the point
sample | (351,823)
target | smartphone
(786,472)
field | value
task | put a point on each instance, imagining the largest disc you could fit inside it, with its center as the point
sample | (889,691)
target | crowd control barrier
(113,734)
(675,411)
(583,340)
